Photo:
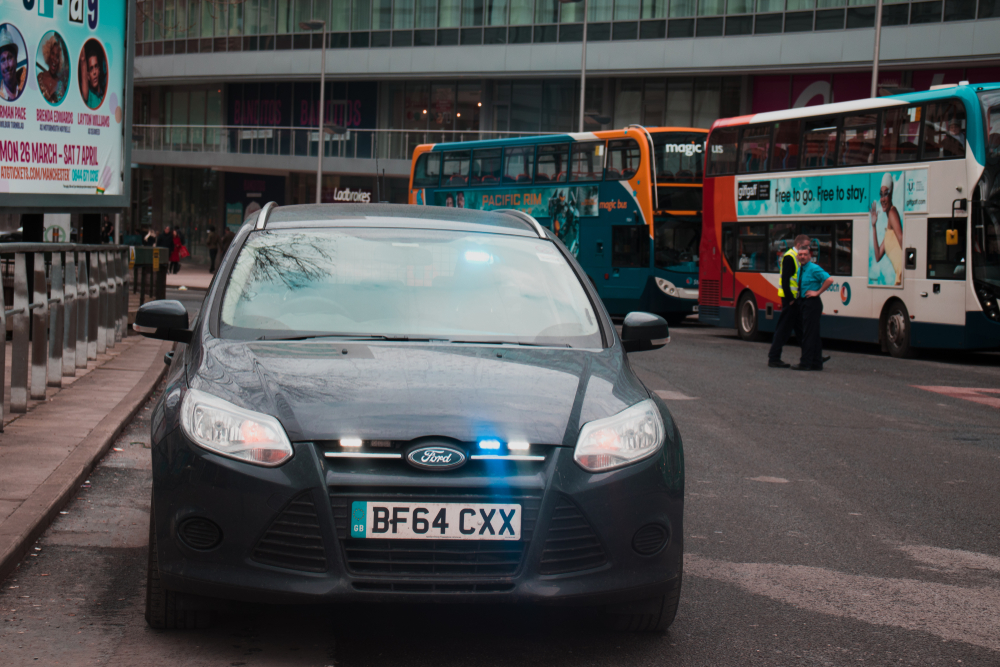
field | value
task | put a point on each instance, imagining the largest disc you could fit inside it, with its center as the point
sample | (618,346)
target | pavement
(47,452)
(838,518)
(191,276)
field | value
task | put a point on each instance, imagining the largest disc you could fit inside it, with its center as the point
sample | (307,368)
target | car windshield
(401,283)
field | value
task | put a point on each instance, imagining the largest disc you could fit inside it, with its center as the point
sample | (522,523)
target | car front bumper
(285,534)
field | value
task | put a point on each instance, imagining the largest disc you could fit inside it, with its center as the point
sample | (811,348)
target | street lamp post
(878,40)
(583,59)
(319,24)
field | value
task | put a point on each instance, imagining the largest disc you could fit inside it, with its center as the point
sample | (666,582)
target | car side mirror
(644,331)
(164,320)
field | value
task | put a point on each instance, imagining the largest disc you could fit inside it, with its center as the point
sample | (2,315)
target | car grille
(420,587)
(571,544)
(293,539)
(433,558)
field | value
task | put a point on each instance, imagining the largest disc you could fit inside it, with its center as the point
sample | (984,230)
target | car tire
(162,612)
(748,318)
(896,331)
(653,615)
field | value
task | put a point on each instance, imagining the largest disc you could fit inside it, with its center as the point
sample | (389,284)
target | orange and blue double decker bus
(627,203)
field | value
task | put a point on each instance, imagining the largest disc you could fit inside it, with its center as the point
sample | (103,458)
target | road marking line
(769,480)
(967,393)
(668,395)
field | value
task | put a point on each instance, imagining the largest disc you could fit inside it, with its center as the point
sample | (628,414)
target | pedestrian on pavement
(149,239)
(790,318)
(227,238)
(813,281)
(212,243)
(177,242)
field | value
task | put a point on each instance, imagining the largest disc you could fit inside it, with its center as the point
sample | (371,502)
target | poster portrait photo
(13,63)
(93,73)
(52,67)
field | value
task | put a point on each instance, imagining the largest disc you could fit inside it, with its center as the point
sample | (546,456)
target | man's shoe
(800,367)
(826,359)
(777,364)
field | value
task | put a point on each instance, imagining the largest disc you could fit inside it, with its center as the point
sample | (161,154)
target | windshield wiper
(355,337)
(509,342)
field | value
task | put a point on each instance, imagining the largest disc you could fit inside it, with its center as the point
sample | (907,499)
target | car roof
(514,223)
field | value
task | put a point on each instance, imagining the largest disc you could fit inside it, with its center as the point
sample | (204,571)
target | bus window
(680,157)
(857,142)
(456,168)
(673,198)
(819,143)
(586,161)
(900,135)
(781,236)
(786,145)
(821,236)
(630,246)
(722,152)
(754,148)
(844,241)
(623,160)
(675,243)
(944,130)
(751,248)
(946,251)
(427,171)
(551,164)
(518,164)
(486,166)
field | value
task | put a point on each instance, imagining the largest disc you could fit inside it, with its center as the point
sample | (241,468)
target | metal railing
(69,304)
(299,141)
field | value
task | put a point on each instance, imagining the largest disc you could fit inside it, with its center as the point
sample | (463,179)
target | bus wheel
(896,331)
(747,319)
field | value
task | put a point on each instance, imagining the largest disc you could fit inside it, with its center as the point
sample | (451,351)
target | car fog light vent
(649,539)
(294,540)
(571,545)
(199,533)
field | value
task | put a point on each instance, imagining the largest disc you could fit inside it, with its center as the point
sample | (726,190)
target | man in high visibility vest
(791,317)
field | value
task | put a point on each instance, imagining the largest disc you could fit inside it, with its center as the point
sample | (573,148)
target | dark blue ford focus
(394,403)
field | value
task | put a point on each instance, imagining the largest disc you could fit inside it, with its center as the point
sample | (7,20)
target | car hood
(324,390)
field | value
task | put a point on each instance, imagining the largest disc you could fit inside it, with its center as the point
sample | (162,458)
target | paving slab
(47,452)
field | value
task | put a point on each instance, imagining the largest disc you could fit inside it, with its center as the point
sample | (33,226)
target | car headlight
(631,435)
(229,430)
(666,286)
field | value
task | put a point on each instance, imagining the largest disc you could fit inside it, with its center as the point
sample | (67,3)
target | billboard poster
(883,196)
(62,89)
(564,206)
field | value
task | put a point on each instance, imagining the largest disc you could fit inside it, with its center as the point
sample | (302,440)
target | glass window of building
(786,145)
(798,5)
(599,10)
(819,143)
(468,106)
(546,11)
(754,148)
(857,141)
(586,161)
(764,6)
(496,12)
(552,163)
(900,134)
(472,12)
(518,163)
(251,13)
(739,7)
(402,15)
(654,9)
(449,12)
(682,8)
(382,15)
(572,12)
(626,10)
(628,102)
(679,96)
(525,106)
(521,11)
(623,160)
(707,100)
(360,14)
(268,17)
(944,130)
(207,19)
(711,7)
(426,13)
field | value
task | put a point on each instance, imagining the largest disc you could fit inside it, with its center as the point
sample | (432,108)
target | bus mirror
(644,331)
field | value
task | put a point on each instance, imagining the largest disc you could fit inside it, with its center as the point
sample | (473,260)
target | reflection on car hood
(322,390)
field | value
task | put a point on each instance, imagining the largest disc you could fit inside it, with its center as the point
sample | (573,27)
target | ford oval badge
(436,457)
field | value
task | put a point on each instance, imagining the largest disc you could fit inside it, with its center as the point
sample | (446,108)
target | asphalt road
(838,518)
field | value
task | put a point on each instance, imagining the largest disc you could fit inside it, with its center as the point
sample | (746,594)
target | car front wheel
(163,611)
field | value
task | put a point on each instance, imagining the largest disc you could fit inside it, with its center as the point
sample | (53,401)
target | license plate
(694,309)
(435,521)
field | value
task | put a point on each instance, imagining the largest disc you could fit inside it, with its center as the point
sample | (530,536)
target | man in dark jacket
(791,317)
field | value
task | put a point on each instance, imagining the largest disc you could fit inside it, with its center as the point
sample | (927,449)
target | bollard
(39,329)
(93,304)
(56,308)
(82,308)
(69,318)
(112,313)
(123,305)
(19,345)
(3,357)
(102,303)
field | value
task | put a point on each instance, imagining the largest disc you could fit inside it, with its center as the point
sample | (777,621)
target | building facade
(227,101)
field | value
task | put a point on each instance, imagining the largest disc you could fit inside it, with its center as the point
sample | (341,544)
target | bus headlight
(989,303)
(667,287)
(631,435)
